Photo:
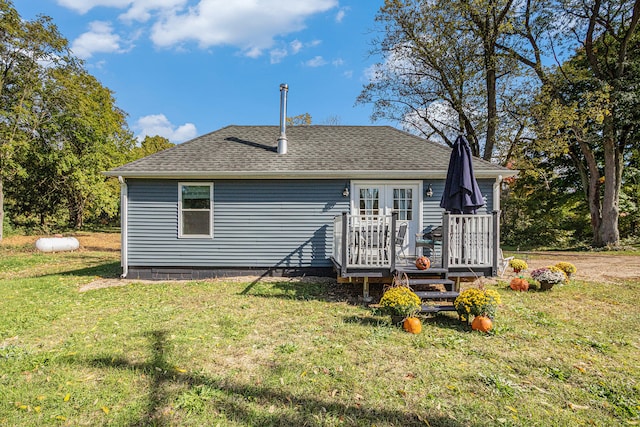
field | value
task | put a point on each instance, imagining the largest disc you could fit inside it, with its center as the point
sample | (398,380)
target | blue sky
(182,68)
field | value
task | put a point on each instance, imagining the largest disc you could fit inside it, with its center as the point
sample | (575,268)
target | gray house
(318,200)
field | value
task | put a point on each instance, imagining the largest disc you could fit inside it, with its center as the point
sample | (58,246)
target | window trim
(181,235)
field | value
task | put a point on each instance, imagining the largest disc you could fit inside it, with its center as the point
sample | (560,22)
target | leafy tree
(441,72)
(299,120)
(24,47)
(92,136)
(150,145)
(78,134)
(590,103)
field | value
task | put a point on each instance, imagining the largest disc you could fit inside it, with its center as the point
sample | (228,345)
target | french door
(384,198)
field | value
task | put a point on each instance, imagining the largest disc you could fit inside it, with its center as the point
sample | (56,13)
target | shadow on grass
(244,403)
(446,321)
(368,321)
(322,290)
(107,270)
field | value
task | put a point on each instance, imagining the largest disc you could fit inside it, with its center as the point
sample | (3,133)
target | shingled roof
(370,152)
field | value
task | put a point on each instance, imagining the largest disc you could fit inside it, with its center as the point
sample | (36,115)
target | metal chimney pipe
(282,139)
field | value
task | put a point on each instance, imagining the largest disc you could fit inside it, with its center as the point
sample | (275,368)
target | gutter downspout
(124,227)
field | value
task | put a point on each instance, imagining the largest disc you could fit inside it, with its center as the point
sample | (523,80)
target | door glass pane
(403,203)
(369,201)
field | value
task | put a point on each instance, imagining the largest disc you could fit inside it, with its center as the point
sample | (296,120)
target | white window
(195,209)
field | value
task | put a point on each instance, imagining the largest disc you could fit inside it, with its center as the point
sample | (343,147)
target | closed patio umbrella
(461,192)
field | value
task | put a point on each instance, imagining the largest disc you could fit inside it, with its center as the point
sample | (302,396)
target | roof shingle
(313,151)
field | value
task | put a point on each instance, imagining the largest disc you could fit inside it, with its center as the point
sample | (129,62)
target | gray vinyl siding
(256,223)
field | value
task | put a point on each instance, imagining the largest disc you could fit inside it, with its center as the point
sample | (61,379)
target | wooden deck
(364,250)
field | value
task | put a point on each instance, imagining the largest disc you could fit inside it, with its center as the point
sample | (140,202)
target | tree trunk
(609,232)
(595,208)
(492,109)
(1,207)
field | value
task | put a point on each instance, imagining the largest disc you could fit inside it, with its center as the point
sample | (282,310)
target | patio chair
(399,241)
(503,262)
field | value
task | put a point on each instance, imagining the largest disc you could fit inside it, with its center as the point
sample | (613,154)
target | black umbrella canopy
(461,192)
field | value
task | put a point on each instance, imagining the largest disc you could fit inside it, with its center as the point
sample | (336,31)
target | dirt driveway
(605,267)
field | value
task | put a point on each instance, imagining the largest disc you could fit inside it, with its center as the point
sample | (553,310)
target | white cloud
(341,14)
(140,10)
(99,38)
(277,55)
(338,62)
(296,46)
(83,6)
(248,25)
(318,61)
(158,124)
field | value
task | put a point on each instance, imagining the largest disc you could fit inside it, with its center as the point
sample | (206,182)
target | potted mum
(567,267)
(518,265)
(401,303)
(480,303)
(548,276)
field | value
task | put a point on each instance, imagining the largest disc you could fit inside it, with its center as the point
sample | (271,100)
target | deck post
(496,242)
(445,241)
(365,290)
(345,238)
(392,240)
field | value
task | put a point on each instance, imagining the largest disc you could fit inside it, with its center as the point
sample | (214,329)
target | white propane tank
(57,244)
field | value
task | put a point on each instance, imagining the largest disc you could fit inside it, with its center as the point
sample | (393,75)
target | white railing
(369,242)
(363,241)
(470,240)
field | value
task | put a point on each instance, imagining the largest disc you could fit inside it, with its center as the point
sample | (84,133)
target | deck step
(412,269)
(431,295)
(413,282)
(437,308)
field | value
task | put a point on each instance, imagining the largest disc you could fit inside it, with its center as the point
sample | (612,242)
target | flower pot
(545,286)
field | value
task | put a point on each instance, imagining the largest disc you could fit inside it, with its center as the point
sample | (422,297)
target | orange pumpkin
(482,324)
(519,284)
(412,325)
(423,263)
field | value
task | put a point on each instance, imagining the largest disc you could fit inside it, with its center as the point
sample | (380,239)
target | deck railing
(367,241)
(364,241)
(469,240)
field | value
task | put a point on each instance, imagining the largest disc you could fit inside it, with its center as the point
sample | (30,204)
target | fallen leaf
(181,370)
(37,408)
(303,374)
(402,393)
(512,409)
(67,397)
(105,409)
(575,407)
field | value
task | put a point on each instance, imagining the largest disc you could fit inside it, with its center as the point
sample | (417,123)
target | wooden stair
(433,286)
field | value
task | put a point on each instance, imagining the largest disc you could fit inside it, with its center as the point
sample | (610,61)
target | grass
(277,353)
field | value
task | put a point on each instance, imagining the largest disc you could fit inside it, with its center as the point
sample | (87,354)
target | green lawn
(282,353)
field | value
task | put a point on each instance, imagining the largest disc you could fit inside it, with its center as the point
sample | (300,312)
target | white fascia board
(333,174)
